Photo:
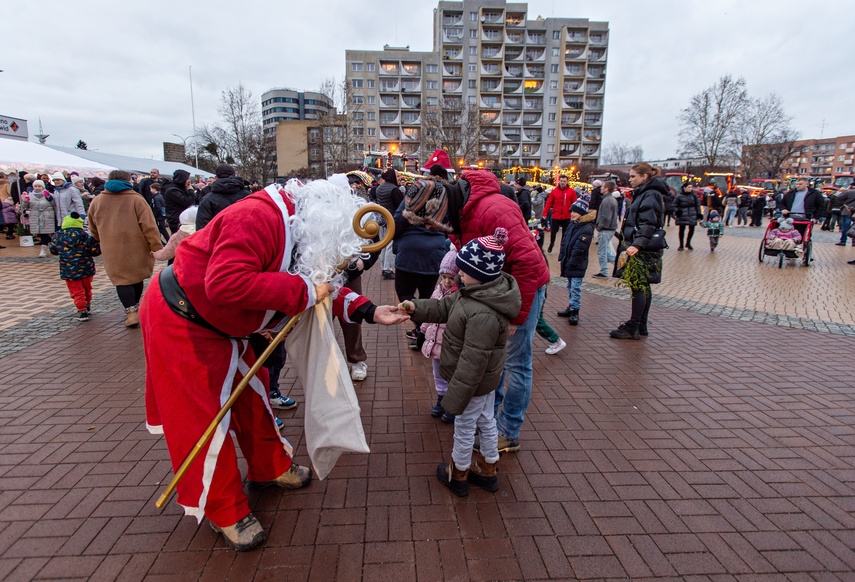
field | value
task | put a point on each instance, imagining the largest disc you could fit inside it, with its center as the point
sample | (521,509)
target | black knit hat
(390,175)
(224,171)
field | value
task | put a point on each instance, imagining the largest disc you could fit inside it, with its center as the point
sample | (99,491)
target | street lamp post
(184,144)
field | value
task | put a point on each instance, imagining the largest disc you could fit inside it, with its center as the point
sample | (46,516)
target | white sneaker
(359,371)
(556,347)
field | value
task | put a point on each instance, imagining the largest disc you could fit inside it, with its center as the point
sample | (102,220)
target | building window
(370,84)
(358,99)
(431,68)
(372,116)
(550,148)
(432,101)
(550,133)
(556,35)
(431,84)
(369,67)
(473,50)
(554,68)
(473,84)
(553,84)
(555,51)
(553,100)
(473,68)
(357,83)
(473,33)
(551,117)
(370,100)
(358,116)
(473,17)
(371,131)
(356,67)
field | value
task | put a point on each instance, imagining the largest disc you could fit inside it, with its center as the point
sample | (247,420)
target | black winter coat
(178,199)
(745,200)
(389,196)
(524,200)
(596,198)
(645,214)
(575,245)
(814,202)
(687,208)
(418,249)
(224,193)
(668,200)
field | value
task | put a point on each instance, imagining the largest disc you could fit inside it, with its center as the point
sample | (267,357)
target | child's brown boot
(453,478)
(483,474)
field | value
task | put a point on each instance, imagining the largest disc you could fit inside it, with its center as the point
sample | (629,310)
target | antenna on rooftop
(42,137)
(821,128)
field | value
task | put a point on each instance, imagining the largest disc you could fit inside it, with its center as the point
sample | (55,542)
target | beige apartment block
(538,83)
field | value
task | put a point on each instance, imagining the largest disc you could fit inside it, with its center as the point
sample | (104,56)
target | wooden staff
(369,231)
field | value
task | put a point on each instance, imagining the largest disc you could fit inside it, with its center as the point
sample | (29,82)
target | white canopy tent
(24,155)
(133,165)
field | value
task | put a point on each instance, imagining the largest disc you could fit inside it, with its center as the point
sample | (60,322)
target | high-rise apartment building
(538,85)
(282,104)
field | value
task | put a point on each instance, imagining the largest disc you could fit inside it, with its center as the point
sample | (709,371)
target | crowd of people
(469,272)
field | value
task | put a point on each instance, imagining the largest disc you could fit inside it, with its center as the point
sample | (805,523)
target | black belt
(177,301)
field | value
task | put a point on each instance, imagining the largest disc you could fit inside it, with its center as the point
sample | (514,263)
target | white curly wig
(323,231)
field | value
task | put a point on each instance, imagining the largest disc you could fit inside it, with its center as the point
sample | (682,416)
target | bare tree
(453,126)
(763,124)
(343,128)
(776,154)
(711,119)
(239,138)
(620,154)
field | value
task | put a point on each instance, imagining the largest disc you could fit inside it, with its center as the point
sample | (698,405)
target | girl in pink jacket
(432,346)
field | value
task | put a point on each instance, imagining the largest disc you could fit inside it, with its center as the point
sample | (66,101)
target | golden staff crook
(369,231)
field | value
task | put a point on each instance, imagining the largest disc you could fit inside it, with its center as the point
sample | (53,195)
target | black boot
(565,312)
(627,330)
(437,410)
(642,328)
(573,318)
(455,480)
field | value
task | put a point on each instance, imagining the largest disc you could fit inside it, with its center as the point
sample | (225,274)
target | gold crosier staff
(369,231)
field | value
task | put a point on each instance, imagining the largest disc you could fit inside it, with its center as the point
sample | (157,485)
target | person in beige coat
(121,220)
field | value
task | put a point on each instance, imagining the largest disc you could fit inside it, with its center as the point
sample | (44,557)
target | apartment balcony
(515,19)
(492,52)
(452,18)
(573,86)
(532,119)
(389,102)
(452,86)
(532,135)
(590,150)
(596,55)
(490,102)
(533,104)
(411,103)
(389,133)
(574,71)
(513,103)
(593,119)
(533,87)
(490,134)
(515,71)
(595,88)
(535,71)
(535,55)
(455,37)
(848,162)
(531,150)
(411,135)
(513,135)
(596,72)
(598,39)
(390,88)
(510,150)
(514,37)
(411,86)
(570,134)
(492,17)
(577,35)
(411,119)
(594,104)
(512,87)
(571,118)
(492,35)
(411,69)
(454,54)
(389,69)
(536,38)
(489,148)
(491,86)
(450,70)
(850,150)
(514,53)
(491,69)
(490,118)
(592,135)
(568,149)
(574,53)
(573,103)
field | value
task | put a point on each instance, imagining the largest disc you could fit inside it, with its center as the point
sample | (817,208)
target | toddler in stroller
(784,237)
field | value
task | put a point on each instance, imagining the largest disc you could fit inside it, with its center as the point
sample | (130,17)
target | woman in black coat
(758,206)
(645,215)
(669,199)
(687,207)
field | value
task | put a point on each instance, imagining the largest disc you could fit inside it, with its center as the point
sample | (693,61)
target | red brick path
(716,448)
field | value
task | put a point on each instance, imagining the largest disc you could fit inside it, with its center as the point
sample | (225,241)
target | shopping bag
(25,241)
(332,422)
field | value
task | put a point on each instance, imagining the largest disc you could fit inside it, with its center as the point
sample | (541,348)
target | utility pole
(193,112)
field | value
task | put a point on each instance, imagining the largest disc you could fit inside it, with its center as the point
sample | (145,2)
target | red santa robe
(234,272)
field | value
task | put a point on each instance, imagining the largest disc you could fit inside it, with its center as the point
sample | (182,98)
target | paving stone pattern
(713,449)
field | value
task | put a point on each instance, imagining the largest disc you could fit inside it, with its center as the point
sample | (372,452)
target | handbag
(657,241)
(851,232)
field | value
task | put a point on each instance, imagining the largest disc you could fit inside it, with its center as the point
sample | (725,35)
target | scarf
(188,228)
(118,186)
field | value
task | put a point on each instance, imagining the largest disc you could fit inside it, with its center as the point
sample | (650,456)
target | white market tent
(33,157)
(131,164)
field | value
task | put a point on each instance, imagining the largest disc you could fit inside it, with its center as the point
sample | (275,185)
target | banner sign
(13,128)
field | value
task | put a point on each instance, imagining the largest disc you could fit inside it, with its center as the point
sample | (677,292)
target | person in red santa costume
(229,280)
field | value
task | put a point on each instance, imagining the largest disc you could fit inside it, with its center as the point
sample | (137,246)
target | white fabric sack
(332,422)
(25,241)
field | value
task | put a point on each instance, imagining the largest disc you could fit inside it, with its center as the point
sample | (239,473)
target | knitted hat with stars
(483,258)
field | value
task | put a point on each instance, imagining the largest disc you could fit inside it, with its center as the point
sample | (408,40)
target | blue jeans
(604,250)
(845,223)
(518,371)
(574,289)
(729,214)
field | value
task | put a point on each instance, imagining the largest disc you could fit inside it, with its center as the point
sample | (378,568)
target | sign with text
(13,128)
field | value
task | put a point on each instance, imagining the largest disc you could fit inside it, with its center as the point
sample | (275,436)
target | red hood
(481,184)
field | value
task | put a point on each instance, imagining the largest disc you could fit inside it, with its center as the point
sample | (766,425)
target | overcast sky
(115,74)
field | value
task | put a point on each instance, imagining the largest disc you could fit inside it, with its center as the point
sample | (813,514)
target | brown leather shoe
(244,535)
(483,474)
(133,318)
(294,478)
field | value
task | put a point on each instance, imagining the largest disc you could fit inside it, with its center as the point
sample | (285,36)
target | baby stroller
(803,250)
